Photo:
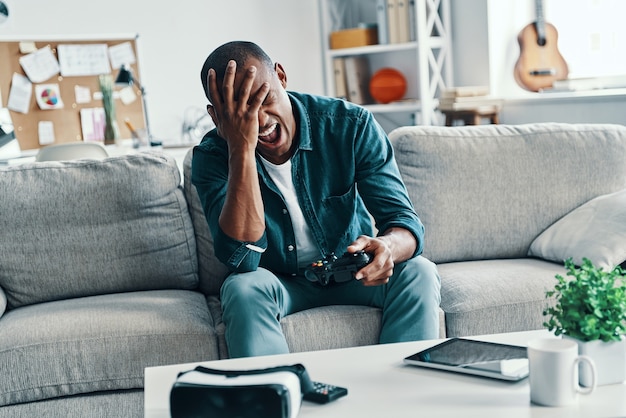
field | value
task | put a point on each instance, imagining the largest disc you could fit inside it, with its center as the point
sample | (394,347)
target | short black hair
(239,51)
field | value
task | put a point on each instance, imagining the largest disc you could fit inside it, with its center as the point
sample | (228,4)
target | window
(592,35)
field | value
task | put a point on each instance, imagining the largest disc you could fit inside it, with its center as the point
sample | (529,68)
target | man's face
(277,126)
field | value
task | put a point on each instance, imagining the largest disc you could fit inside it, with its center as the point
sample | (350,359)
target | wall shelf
(599,94)
(425,59)
(394,107)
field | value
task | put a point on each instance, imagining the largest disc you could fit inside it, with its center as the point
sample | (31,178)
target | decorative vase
(609,358)
(111,128)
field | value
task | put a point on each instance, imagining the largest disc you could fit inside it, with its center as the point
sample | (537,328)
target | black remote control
(324,393)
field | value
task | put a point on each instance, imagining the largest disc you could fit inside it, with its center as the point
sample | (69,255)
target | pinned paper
(46,132)
(92,122)
(40,65)
(26,47)
(19,95)
(121,54)
(127,95)
(83,60)
(48,96)
(82,94)
(97,95)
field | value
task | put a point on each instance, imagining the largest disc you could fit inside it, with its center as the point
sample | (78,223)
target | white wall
(175,38)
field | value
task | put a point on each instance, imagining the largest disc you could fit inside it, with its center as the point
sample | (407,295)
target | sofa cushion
(488,191)
(211,271)
(115,404)
(320,328)
(330,327)
(493,296)
(596,230)
(87,227)
(100,343)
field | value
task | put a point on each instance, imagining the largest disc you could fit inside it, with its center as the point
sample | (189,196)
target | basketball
(387,85)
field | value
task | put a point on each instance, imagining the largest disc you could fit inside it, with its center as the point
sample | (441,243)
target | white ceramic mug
(553,372)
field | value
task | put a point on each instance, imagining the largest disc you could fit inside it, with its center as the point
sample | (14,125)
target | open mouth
(270,134)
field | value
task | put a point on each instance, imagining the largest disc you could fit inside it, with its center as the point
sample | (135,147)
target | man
(285,180)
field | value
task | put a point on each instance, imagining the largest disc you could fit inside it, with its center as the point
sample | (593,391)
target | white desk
(380,385)
(125,147)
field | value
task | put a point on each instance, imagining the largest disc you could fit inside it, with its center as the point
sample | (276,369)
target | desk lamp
(126,78)
(6,127)
(4,12)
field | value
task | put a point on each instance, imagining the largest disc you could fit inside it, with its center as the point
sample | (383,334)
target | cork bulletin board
(73,90)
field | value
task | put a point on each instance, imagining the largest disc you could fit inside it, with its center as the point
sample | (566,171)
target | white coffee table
(380,385)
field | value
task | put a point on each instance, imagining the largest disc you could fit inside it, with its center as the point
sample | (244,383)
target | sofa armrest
(3,302)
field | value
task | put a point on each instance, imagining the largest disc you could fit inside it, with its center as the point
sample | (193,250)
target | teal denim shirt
(343,167)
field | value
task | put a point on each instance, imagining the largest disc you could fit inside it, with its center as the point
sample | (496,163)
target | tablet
(481,358)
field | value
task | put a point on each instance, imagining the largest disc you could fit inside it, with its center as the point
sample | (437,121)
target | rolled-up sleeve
(209,174)
(381,186)
(239,256)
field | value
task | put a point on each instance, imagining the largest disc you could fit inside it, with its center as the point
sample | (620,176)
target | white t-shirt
(305,243)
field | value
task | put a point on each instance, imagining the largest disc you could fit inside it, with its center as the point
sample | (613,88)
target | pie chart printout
(49,97)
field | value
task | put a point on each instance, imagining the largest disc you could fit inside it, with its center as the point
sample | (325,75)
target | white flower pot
(609,358)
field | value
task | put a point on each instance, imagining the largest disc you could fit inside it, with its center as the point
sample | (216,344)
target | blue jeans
(254,302)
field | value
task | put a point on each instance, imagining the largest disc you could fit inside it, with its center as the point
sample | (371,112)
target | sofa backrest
(210,270)
(87,227)
(487,191)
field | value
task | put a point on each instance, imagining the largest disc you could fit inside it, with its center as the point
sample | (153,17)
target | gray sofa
(107,267)
(486,193)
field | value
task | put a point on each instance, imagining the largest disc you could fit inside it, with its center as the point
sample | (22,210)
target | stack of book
(468,98)
(396,21)
(352,75)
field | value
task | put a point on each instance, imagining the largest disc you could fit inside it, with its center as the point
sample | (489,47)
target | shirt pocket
(341,223)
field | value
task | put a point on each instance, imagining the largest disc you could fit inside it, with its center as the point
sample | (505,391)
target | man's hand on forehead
(233,80)
(236,114)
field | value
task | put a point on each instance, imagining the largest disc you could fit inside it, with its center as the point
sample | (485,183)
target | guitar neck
(540,23)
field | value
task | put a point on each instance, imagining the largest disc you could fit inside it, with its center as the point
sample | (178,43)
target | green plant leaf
(590,303)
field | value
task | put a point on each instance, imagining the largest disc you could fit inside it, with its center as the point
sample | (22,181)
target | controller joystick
(335,269)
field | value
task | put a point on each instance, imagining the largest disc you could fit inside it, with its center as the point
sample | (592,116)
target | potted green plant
(590,307)
(111,129)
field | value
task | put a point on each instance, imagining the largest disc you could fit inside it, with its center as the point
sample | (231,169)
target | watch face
(4,12)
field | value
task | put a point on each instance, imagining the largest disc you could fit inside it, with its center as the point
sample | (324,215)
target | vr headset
(274,392)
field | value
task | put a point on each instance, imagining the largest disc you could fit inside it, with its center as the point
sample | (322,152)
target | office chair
(72,151)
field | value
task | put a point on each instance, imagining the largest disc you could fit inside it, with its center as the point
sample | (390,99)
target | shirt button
(290,248)
(284,211)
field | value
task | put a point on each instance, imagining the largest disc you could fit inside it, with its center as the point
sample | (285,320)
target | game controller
(335,269)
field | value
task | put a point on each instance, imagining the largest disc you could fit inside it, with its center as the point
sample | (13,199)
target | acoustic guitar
(540,63)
